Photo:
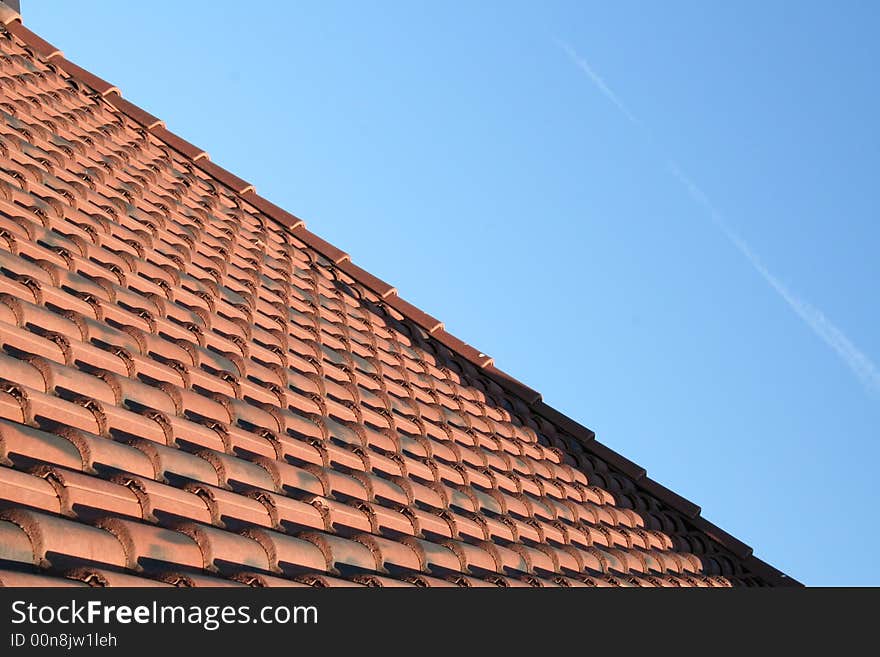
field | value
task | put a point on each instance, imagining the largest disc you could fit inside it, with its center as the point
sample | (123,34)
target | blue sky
(507,167)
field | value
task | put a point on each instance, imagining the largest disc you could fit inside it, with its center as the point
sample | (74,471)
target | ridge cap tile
(513,385)
(86,77)
(616,460)
(8,14)
(233,182)
(176,142)
(713,531)
(132,111)
(414,314)
(367,279)
(277,213)
(669,497)
(39,45)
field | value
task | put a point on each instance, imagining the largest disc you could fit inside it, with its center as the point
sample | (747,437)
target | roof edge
(532,399)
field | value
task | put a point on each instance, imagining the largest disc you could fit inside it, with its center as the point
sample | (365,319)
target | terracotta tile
(568,582)
(196,580)
(81,75)
(436,559)
(344,487)
(163,503)
(381,288)
(345,459)
(120,424)
(283,217)
(326,249)
(460,499)
(318,580)
(219,173)
(16,340)
(498,530)
(426,496)
(248,415)
(290,515)
(342,518)
(465,581)
(136,396)
(56,542)
(24,446)
(487,503)
(150,548)
(61,380)
(512,562)
(736,546)
(7,313)
(475,560)
(430,324)
(267,581)
(15,544)
(174,465)
(224,551)
(293,480)
(236,473)
(20,489)
(386,491)
(133,111)
(431,525)
(527,530)
(249,445)
(30,317)
(513,385)
(231,510)
(342,554)
(176,142)
(288,554)
(542,560)
(48,411)
(41,46)
(390,522)
(391,555)
(86,497)
(378,581)
(299,431)
(509,582)
(547,582)
(426,581)
(99,577)
(14,578)
(179,432)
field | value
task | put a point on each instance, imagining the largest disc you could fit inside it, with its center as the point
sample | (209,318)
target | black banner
(266,621)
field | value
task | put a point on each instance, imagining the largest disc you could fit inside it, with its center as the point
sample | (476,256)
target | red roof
(197,390)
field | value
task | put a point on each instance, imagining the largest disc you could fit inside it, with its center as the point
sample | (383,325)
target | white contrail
(857,361)
(582,64)
(862,366)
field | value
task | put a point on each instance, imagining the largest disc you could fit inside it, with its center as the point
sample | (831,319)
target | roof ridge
(12,22)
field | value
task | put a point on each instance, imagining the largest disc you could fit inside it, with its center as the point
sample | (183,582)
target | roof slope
(196,390)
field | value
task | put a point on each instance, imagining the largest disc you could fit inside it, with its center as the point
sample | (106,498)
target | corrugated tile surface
(196,393)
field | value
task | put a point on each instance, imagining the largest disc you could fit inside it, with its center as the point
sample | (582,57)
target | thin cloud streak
(856,360)
(582,64)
